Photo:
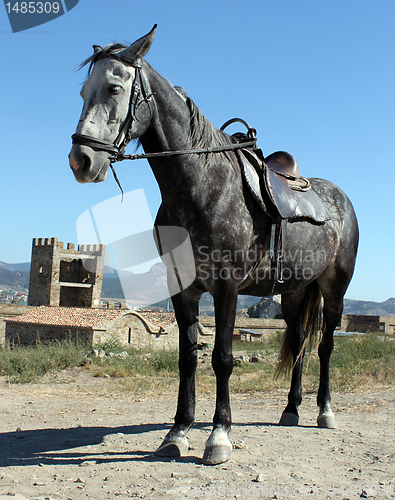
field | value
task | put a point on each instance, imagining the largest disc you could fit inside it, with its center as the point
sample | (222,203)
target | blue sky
(314,78)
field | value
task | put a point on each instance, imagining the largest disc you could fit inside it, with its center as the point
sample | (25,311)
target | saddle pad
(252,179)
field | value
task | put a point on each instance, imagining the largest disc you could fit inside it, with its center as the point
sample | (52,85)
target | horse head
(116,108)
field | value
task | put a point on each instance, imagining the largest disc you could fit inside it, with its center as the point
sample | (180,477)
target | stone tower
(65,277)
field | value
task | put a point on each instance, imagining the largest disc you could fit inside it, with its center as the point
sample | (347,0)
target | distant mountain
(366,308)
(150,287)
(109,272)
(14,279)
(206,305)
(24,266)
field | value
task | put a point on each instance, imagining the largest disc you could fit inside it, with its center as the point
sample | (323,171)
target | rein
(214,149)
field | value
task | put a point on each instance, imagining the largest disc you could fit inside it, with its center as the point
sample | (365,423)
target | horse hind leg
(332,314)
(292,352)
(333,284)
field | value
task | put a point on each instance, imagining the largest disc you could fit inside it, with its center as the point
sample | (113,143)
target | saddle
(279,176)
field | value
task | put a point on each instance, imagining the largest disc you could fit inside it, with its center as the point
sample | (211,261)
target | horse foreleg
(176,441)
(218,446)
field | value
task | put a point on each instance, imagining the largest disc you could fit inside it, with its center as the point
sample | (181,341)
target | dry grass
(357,362)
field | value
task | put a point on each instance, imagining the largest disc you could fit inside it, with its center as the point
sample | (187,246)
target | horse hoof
(326,421)
(214,455)
(176,448)
(289,419)
(218,447)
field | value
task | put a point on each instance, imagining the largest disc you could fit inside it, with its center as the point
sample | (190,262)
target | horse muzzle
(88,165)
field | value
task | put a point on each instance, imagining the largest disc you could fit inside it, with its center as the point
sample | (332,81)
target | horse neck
(170,130)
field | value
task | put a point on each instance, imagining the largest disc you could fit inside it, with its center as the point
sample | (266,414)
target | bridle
(139,94)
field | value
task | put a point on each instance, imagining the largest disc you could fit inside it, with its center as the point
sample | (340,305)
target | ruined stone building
(65,276)
(140,329)
(65,303)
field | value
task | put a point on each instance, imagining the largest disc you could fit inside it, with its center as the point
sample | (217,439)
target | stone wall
(24,334)
(9,311)
(261,326)
(129,330)
(365,324)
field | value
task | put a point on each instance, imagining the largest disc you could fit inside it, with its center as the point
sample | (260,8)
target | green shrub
(27,364)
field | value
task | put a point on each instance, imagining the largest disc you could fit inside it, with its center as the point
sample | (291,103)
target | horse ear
(140,47)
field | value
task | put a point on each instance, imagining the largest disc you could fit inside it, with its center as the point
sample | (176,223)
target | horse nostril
(79,161)
(85,162)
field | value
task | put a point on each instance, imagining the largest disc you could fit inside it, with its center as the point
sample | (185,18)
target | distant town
(13,297)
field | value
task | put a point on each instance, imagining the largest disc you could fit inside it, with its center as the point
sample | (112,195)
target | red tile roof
(91,318)
(68,316)
(161,319)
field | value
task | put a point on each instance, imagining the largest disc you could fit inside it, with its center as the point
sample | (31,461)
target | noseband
(138,95)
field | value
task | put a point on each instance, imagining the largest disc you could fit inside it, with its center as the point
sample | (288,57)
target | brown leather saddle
(279,176)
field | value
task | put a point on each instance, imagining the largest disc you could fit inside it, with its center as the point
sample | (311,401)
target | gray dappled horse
(209,196)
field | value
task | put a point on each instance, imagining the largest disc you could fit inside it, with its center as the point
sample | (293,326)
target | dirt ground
(76,437)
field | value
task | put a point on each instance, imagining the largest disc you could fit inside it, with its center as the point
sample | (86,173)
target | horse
(203,191)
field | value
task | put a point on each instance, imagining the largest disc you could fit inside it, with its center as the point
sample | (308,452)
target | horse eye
(114,89)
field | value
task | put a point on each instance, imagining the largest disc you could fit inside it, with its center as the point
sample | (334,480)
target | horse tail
(311,326)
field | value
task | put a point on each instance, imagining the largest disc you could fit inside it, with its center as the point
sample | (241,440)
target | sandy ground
(76,437)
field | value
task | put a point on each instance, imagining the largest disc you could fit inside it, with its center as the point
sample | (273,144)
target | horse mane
(110,50)
(203,134)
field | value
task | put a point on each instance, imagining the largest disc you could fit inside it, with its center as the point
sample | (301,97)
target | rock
(184,489)
(267,307)
(241,359)
(260,478)
(240,445)
(87,463)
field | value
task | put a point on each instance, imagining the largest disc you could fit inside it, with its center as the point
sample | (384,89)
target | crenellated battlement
(95,250)
(40,242)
